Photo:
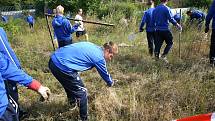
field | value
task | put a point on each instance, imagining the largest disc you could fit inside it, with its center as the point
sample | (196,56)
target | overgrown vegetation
(147,90)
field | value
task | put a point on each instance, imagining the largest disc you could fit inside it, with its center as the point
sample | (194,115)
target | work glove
(206,29)
(44,92)
(179,27)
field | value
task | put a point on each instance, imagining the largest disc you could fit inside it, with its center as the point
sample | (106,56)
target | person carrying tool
(150,28)
(10,72)
(63,28)
(161,17)
(66,62)
(81,31)
(197,15)
(30,20)
(211,15)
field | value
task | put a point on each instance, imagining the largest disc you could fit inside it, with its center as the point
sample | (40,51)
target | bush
(69,5)
(197,3)
(13,27)
(126,8)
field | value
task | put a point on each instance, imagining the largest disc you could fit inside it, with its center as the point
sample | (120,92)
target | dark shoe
(73,106)
(23,114)
(84,119)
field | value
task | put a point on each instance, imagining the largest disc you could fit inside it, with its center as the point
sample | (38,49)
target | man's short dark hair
(108,45)
(188,12)
(164,0)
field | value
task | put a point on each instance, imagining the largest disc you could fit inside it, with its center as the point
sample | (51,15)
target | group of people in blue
(65,64)
(157,26)
(71,58)
(29,19)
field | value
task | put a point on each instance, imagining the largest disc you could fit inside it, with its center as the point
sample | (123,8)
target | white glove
(44,92)
(179,27)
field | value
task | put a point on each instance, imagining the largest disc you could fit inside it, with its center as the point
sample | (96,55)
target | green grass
(147,90)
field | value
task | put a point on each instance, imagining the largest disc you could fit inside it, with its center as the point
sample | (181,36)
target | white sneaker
(164,58)
(72,106)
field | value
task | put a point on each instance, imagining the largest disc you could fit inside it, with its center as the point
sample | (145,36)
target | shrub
(126,8)
(197,3)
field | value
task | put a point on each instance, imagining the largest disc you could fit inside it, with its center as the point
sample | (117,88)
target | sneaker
(23,114)
(84,119)
(164,58)
(72,106)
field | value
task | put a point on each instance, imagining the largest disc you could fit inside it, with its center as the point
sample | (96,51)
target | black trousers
(10,114)
(212,47)
(150,39)
(31,25)
(160,37)
(73,86)
(11,89)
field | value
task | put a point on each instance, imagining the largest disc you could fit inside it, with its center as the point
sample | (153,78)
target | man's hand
(44,92)
(141,30)
(179,27)
(206,29)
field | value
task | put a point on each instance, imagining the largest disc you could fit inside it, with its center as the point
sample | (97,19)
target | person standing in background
(161,17)
(30,20)
(63,28)
(4,19)
(81,31)
(55,37)
(150,28)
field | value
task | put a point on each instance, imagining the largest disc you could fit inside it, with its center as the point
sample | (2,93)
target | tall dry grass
(147,90)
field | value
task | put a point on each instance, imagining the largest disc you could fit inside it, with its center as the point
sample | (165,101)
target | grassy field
(147,90)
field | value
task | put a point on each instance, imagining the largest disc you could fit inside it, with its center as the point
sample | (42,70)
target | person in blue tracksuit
(150,30)
(196,15)
(30,20)
(161,17)
(63,28)
(10,72)
(11,86)
(66,62)
(4,19)
(177,17)
(209,17)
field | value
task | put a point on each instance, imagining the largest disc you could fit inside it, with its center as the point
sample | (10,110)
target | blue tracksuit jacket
(30,19)
(161,17)
(147,18)
(177,17)
(63,28)
(199,15)
(82,56)
(211,15)
(8,71)
(6,49)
